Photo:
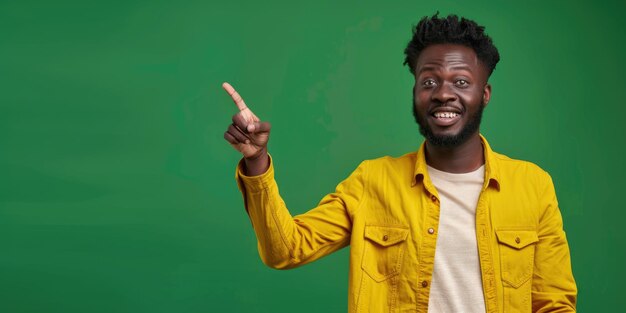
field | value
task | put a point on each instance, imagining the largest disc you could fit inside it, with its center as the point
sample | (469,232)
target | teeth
(446,114)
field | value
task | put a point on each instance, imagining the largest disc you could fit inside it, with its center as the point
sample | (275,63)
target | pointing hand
(247,134)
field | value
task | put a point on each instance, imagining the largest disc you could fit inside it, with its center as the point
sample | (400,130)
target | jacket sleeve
(554,288)
(286,242)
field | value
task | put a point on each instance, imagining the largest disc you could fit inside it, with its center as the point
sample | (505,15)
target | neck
(463,158)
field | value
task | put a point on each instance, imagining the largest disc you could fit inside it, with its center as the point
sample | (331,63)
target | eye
(462,83)
(429,82)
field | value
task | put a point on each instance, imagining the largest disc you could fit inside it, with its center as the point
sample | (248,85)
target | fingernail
(251,127)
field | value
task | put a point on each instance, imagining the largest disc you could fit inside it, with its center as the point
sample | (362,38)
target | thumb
(259,127)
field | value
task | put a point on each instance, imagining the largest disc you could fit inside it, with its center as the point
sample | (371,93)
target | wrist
(258,164)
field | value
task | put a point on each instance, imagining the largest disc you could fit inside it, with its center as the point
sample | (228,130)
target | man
(453,227)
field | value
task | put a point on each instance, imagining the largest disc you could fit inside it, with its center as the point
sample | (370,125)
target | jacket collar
(492,177)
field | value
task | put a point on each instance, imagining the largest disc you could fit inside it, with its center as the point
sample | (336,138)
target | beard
(449,141)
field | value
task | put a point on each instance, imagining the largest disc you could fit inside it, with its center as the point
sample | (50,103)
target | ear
(486,94)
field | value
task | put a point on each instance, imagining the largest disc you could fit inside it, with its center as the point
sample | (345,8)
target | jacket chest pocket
(517,252)
(383,251)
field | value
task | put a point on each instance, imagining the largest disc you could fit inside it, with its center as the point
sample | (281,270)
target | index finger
(235,95)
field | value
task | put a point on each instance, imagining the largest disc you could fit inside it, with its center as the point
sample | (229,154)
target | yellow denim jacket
(387,210)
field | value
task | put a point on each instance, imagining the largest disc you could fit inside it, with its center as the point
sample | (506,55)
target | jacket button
(385,238)
(517,240)
(431,231)
(433,198)
(424,284)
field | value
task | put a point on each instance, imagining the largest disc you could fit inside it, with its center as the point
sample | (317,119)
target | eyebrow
(432,68)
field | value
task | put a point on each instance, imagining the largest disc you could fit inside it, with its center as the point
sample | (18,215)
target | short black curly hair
(435,30)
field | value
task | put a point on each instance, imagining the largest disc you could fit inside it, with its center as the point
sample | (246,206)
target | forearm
(285,241)
(273,226)
(554,288)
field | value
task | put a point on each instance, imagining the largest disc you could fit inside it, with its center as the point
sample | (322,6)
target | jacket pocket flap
(517,239)
(386,235)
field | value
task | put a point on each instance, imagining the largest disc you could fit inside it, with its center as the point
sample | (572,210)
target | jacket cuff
(254,183)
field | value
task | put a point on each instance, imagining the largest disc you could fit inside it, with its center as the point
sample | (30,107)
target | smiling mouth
(443,119)
(445,115)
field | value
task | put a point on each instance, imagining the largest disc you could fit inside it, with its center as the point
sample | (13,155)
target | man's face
(450,94)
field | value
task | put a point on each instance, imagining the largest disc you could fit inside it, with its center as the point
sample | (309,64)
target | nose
(443,93)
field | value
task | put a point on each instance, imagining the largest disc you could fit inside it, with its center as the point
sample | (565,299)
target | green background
(117,190)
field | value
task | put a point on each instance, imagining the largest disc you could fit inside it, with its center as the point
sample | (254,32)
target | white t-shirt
(456,284)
